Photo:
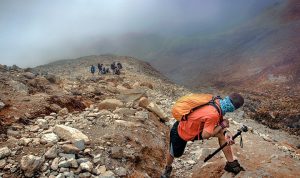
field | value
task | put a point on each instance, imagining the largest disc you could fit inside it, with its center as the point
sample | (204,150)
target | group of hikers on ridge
(115,67)
(199,117)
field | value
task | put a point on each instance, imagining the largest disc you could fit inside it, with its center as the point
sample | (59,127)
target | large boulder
(69,133)
(151,106)
(29,75)
(111,104)
(131,95)
(4,152)
(30,164)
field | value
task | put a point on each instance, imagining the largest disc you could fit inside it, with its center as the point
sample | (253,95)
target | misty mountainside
(259,57)
(59,120)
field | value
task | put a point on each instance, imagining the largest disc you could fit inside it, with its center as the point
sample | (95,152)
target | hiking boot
(167,172)
(234,167)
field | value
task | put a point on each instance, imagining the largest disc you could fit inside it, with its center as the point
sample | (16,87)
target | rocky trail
(59,120)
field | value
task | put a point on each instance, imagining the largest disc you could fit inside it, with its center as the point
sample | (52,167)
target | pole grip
(221,147)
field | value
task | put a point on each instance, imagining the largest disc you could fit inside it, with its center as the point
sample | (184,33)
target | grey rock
(2,105)
(99,170)
(63,169)
(70,149)
(86,166)
(13,133)
(69,133)
(30,164)
(63,112)
(108,174)
(110,104)
(54,165)
(49,138)
(68,156)
(42,123)
(60,175)
(79,143)
(64,164)
(2,163)
(82,160)
(52,152)
(120,171)
(29,75)
(4,152)
(85,175)
(25,141)
(34,128)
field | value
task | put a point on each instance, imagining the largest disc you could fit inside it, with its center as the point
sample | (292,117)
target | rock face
(30,164)
(110,104)
(4,152)
(69,133)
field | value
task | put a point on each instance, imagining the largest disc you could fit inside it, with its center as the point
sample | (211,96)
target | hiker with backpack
(100,67)
(93,69)
(199,117)
(119,65)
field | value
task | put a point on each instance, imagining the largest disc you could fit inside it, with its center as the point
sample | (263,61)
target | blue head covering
(226,105)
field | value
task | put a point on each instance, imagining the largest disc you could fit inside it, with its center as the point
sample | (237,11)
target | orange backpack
(189,103)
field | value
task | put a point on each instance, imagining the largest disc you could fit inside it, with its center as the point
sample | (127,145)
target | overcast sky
(34,32)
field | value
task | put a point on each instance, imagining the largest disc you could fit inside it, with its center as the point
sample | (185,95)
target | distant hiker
(117,71)
(100,67)
(93,69)
(119,65)
(113,66)
(103,71)
(200,121)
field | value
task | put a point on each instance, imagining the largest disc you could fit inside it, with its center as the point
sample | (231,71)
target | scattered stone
(2,105)
(82,160)
(42,123)
(132,95)
(69,133)
(4,152)
(120,171)
(63,112)
(69,148)
(64,164)
(47,118)
(44,167)
(108,174)
(49,138)
(99,170)
(25,141)
(86,166)
(34,128)
(60,175)
(36,141)
(52,152)
(29,75)
(116,152)
(145,103)
(85,175)
(54,165)
(79,143)
(111,104)
(73,163)
(127,123)
(30,164)
(68,156)
(97,159)
(147,84)
(13,133)
(2,163)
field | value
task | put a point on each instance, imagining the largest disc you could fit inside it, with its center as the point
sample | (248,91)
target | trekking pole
(242,129)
